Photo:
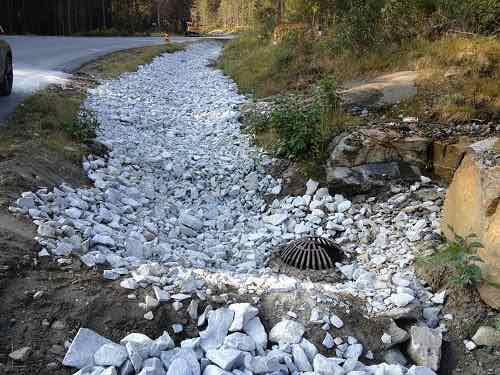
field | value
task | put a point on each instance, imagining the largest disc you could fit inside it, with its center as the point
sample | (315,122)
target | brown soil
(469,313)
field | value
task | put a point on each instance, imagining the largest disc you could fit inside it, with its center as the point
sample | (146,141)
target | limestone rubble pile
(234,342)
(182,193)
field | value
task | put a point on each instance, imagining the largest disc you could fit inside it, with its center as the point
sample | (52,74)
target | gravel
(236,354)
(178,205)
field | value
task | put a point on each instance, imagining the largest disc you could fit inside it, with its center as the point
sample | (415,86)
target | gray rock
(397,335)
(395,357)
(287,332)
(102,239)
(219,322)
(328,341)
(162,343)
(311,187)
(134,354)
(420,370)
(487,336)
(152,366)
(336,321)
(161,295)
(276,219)
(309,349)
(190,357)
(193,309)
(141,342)
(425,347)
(431,313)
(110,355)
(81,352)
(226,359)
(354,351)
(127,368)
(401,299)
(109,371)
(21,355)
(300,358)
(243,313)
(257,332)
(240,341)
(179,366)
(214,370)
(191,221)
(326,366)
(91,370)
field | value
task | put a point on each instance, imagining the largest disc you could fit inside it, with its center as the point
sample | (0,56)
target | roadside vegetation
(46,138)
(453,45)
(53,117)
(128,61)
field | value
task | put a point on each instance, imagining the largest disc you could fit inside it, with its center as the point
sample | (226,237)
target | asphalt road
(40,61)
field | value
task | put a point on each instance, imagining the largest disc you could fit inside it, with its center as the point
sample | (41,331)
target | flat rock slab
(384,90)
(81,352)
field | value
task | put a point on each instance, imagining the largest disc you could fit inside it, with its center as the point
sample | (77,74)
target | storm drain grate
(313,253)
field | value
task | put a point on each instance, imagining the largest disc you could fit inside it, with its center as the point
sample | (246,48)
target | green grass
(52,120)
(129,60)
(457,76)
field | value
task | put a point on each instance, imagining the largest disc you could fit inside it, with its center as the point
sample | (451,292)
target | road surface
(40,61)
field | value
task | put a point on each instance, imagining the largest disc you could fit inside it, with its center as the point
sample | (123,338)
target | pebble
(21,355)
(328,341)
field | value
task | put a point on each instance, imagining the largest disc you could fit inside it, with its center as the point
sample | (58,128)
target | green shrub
(297,129)
(84,127)
(461,256)
(305,129)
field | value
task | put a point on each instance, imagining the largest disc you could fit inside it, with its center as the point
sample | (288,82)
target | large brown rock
(472,207)
(446,157)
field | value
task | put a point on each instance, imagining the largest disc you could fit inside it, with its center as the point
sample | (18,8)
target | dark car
(6,69)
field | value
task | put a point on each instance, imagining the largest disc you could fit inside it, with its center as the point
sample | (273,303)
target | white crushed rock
(180,200)
(235,353)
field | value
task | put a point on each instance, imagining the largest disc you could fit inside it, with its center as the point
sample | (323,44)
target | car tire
(8,78)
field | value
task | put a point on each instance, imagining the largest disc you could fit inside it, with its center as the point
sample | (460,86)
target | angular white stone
(240,341)
(226,359)
(110,355)
(326,366)
(300,358)
(243,313)
(83,347)
(219,322)
(287,332)
(311,187)
(257,332)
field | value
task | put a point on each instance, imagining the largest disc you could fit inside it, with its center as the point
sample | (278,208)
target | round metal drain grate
(313,253)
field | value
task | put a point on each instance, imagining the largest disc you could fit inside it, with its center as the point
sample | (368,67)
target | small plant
(328,94)
(461,255)
(84,127)
(297,129)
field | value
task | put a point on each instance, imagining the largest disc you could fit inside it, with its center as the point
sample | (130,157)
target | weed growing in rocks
(305,128)
(461,256)
(84,127)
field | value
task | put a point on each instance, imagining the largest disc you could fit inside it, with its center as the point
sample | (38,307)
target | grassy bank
(457,76)
(128,61)
(44,141)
